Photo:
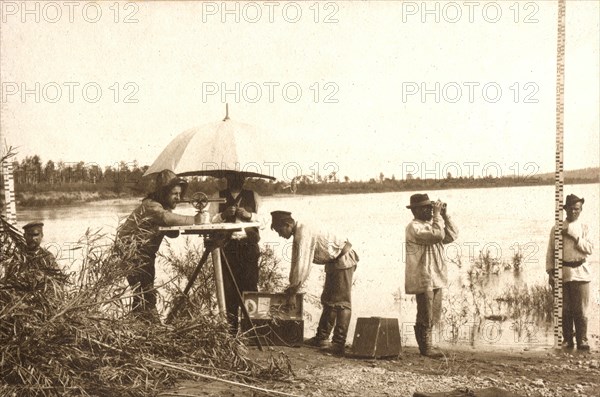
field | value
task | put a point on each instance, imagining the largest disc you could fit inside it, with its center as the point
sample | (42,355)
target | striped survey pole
(559,175)
(9,192)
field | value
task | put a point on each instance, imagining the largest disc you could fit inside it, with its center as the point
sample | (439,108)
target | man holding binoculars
(426,272)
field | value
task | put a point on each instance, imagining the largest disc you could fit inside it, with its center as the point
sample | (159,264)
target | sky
(360,88)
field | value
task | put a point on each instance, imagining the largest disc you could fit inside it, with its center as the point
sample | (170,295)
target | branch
(187,371)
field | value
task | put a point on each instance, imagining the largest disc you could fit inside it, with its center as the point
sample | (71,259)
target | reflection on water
(501,221)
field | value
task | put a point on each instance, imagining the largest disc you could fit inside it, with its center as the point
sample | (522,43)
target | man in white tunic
(577,245)
(426,272)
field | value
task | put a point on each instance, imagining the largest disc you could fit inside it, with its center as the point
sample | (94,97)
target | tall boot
(419,331)
(567,329)
(143,307)
(429,350)
(326,323)
(340,332)
(581,333)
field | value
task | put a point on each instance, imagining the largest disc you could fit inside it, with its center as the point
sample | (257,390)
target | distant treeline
(32,175)
(389,185)
(56,183)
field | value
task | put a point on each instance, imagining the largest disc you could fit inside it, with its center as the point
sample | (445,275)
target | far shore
(57,198)
(25,200)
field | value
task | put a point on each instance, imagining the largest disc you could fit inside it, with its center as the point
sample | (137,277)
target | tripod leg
(219,281)
(241,300)
(178,303)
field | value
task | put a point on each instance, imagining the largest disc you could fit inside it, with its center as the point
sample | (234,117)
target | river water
(498,220)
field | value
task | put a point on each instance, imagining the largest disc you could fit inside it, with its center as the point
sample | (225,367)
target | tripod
(214,246)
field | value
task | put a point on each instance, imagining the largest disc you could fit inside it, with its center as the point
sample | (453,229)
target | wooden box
(276,322)
(376,337)
(264,305)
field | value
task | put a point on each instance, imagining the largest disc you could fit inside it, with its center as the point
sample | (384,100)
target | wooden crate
(376,337)
(276,322)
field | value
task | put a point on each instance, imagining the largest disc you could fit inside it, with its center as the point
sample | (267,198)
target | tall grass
(473,303)
(71,335)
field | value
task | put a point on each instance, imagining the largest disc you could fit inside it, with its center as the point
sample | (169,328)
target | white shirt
(574,249)
(312,245)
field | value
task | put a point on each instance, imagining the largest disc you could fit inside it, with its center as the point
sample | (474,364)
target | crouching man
(314,246)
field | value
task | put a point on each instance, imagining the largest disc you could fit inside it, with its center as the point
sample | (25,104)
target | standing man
(426,272)
(577,245)
(139,239)
(340,260)
(241,250)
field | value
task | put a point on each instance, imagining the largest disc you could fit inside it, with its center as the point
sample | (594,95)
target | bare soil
(547,373)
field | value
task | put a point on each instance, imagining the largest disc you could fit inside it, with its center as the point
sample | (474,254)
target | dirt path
(544,373)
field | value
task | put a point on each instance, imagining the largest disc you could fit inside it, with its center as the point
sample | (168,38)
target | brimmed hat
(572,200)
(280,218)
(419,200)
(165,181)
(32,225)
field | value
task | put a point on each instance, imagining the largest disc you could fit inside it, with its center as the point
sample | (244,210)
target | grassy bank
(53,198)
(45,194)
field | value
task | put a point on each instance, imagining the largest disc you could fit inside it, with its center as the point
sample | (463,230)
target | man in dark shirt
(40,268)
(139,239)
(242,250)
(35,253)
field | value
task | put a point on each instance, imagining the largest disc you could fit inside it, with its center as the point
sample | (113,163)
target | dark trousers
(141,281)
(576,297)
(337,305)
(242,257)
(429,308)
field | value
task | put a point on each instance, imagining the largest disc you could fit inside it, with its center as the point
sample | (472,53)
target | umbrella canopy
(214,150)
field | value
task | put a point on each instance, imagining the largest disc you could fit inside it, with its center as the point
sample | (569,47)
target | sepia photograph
(300,198)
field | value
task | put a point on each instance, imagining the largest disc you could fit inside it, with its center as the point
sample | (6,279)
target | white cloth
(574,249)
(312,245)
(425,264)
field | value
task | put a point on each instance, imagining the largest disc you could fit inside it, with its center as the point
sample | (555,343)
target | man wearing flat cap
(138,239)
(336,254)
(577,245)
(35,253)
(242,250)
(426,272)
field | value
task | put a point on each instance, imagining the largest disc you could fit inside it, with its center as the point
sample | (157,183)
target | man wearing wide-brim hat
(138,239)
(577,245)
(426,272)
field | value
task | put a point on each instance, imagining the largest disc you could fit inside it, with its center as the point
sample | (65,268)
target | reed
(72,335)
(473,303)
(535,302)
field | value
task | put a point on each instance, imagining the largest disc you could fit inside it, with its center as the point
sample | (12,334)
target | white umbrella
(216,149)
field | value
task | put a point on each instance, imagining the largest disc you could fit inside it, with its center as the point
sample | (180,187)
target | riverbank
(539,373)
(57,198)
(32,198)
